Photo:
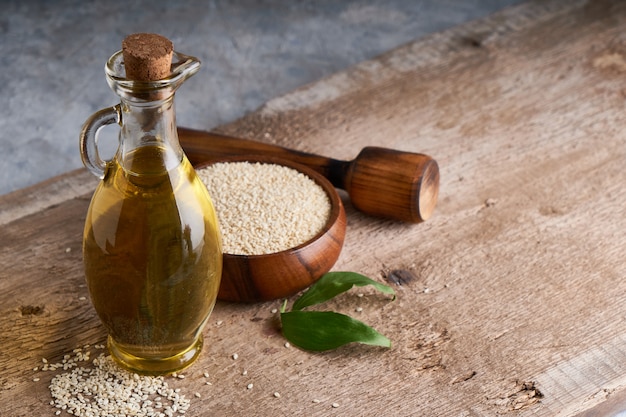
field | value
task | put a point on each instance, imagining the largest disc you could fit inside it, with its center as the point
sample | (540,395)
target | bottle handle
(89,138)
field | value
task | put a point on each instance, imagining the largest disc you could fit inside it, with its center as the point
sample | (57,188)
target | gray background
(52,55)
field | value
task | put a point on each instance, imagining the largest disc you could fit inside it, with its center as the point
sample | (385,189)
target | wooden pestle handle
(381,182)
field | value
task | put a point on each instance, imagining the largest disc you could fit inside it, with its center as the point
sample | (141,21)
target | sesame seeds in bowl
(282,225)
(265,208)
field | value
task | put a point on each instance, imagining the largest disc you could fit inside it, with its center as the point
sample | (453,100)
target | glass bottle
(151,244)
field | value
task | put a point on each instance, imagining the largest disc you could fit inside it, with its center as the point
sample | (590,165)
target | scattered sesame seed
(44,360)
(250,386)
(180,376)
(219,322)
(208,383)
(36,379)
(316,401)
(235,356)
(277,394)
(360,295)
(82,298)
(358,309)
(206,374)
(197,395)
(36,368)
(245,372)
(274,311)
(102,388)
(287,344)
(335,405)
(68,250)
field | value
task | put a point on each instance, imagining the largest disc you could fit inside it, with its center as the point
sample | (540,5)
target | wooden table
(519,300)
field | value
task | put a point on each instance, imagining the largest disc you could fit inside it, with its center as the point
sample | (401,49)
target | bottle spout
(184,66)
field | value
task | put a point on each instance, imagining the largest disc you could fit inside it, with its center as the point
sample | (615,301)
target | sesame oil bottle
(151,244)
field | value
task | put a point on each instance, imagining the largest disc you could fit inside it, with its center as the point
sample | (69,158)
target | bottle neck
(148,137)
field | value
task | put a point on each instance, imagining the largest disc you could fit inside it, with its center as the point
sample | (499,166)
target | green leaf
(325,330)
(334,283)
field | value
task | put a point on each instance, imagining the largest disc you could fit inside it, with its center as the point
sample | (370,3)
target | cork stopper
(147,56)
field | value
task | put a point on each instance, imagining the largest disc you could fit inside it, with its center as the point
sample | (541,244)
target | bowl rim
(336,205)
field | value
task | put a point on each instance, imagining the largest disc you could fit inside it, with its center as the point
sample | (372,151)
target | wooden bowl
(251,278)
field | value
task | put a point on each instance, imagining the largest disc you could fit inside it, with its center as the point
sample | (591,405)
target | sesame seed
(287,344)
(235,356)
(274,311)
(102,388)
(206,374)
(250,386)
(82,298)
(358,309)
(277,394)
(294,208)
(335,405)
(245,372)
(316,401)
(197,395)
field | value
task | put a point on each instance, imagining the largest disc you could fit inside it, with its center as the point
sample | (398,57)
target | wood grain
(518,302)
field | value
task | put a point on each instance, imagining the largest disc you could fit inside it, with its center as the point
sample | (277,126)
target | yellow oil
(153,260)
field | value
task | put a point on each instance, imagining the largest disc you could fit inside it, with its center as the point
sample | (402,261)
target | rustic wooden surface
(519,299)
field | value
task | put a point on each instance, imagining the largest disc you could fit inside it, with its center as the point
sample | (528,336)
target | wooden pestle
(379,181)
